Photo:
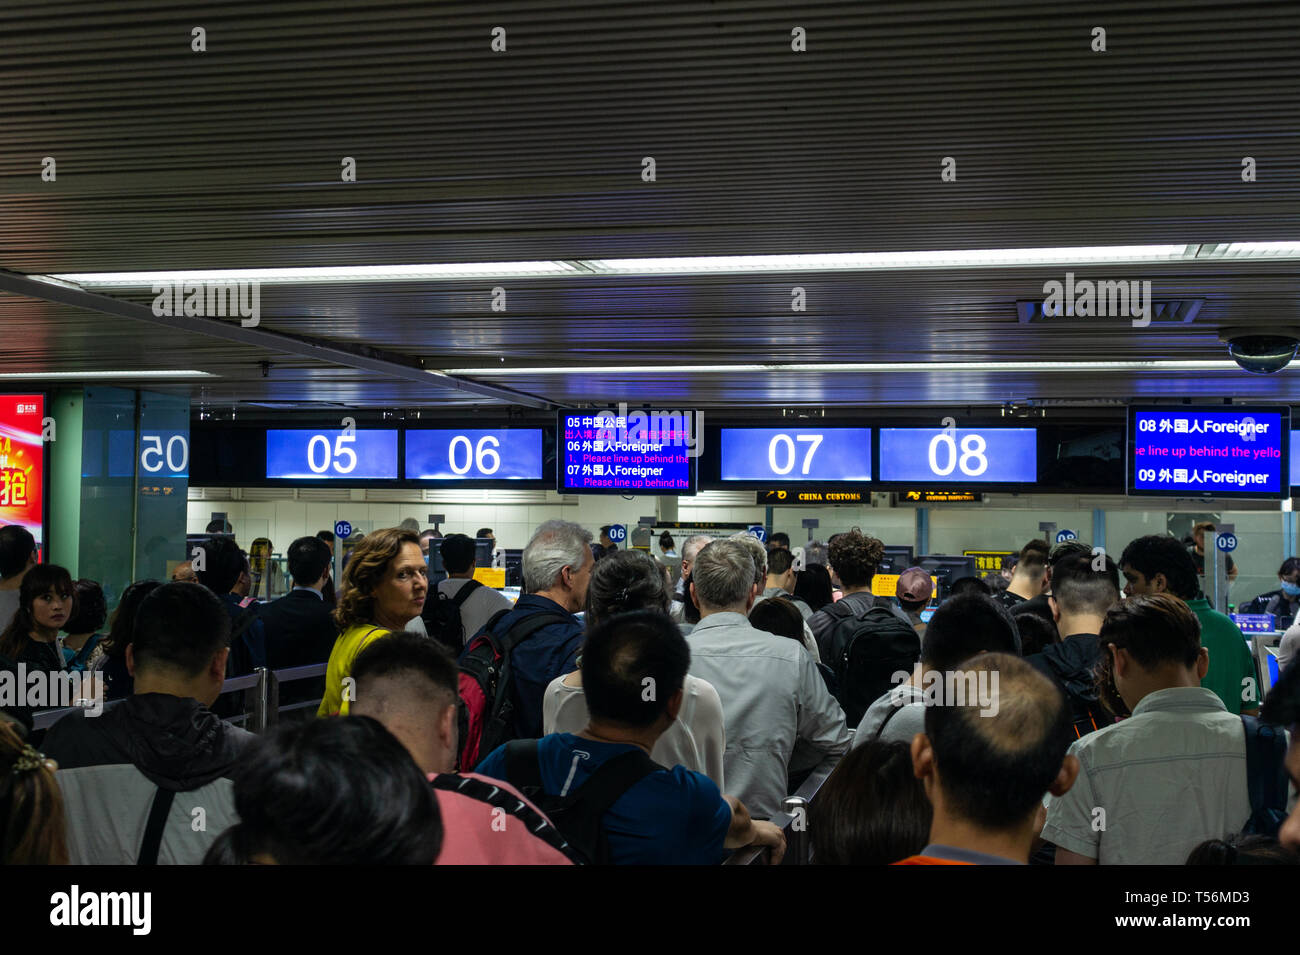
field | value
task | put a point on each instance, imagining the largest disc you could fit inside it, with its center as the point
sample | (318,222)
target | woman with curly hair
(383,588)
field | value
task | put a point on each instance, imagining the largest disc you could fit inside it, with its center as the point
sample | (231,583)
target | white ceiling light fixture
(1161,364)
(705,265)
(100,375)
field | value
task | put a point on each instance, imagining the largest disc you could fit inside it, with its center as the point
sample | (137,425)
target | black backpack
(579,815)
(487,701)
(1266,778)
(865,648)
(442,617)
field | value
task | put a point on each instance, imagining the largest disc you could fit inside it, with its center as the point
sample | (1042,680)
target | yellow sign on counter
(494,577)
(886,585)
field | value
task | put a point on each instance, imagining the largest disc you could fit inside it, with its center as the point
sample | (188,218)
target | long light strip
(1162,364)
(706,265)
(101,375)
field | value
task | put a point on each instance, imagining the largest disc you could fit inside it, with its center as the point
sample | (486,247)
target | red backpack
(487,707)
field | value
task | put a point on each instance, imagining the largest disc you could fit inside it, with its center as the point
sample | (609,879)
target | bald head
(998,740)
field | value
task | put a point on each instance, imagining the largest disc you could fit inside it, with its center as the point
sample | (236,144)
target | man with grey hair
(557,568)
(772,696)
(690,547)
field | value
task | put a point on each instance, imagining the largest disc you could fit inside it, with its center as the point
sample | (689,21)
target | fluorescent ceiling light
(308,276)
(870,367)
(100,375)
(706,265)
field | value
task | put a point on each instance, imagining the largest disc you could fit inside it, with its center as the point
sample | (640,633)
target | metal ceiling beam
(361,358)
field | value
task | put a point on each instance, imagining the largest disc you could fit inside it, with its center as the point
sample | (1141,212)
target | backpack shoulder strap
(464,592)
(508,802)
(153,829)
(525,628)
(523,765)
(615,777)
(893,711)
(1265,765)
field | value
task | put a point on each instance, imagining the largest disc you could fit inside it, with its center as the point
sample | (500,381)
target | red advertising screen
(22,463)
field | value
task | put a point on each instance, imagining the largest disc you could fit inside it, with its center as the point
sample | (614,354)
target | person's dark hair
(1289,566)
(624,652)
(340,791)
(780,537)
(997,583)
(1162,554)
(969,585)
(458,553)
(180,627)
(327,537)
(405,653)
(219,527)
(1033,608)
(961,628)
(1067,549)
(779,616)
(665,541)
(121,629)
(779,561)
(1282,705)
(812,585)
(994,767)
(40,580)
(483,532)
(1036,546)
(1241,849)
(855,557)
(1009,561)
(16,548)
(309,558)
(91,610)
(1078,588)
(1155,630)
(871,810)
(223,562)
(624,581)
(1036,634)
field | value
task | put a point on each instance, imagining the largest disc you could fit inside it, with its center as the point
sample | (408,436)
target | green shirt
(1230,661)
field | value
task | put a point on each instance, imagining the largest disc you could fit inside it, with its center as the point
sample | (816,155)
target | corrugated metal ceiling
(171,159)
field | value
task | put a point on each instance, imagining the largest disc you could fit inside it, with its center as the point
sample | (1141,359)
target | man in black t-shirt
(1083,589)
(1198,550)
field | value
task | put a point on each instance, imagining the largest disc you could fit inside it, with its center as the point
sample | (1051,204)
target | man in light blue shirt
(772,695)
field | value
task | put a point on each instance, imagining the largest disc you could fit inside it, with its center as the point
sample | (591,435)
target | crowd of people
(633,709)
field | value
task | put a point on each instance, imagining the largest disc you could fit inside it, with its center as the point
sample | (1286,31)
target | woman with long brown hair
(46,600)
(32,827)
(383,589)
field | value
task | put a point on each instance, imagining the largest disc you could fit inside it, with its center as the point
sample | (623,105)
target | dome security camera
(1261,351)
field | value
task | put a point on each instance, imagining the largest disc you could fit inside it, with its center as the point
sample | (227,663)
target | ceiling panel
(230,158)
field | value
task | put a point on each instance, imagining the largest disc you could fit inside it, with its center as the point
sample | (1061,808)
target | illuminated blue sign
(1238,452)
(795,454)
(959,456)
(462,454)
(314,455)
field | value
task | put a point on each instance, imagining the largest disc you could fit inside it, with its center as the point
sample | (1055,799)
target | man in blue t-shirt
(633,671)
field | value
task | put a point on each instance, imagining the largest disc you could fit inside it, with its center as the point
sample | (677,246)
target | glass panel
(163,466)
(107,490)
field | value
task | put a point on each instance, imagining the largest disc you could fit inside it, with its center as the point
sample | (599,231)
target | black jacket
(299,631)
(1070,664)
(176,742)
